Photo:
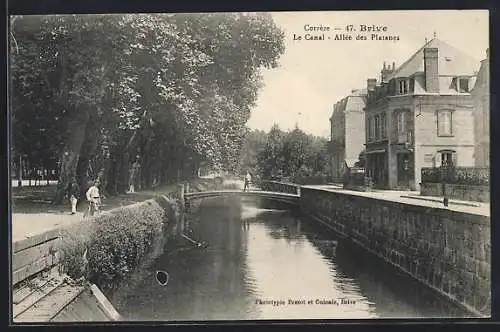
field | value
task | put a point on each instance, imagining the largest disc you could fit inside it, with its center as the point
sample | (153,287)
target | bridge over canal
(271,195)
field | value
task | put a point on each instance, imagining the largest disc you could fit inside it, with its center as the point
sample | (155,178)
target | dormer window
(403,86)
(463,85)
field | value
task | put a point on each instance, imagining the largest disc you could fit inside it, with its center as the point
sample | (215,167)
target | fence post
(444,173)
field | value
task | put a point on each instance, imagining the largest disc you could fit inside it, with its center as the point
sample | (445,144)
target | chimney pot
(371,83)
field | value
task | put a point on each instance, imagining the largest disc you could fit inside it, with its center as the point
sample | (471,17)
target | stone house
(347,125)
(420,115)
(481,98)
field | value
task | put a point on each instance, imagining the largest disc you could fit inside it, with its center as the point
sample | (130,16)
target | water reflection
(270,264)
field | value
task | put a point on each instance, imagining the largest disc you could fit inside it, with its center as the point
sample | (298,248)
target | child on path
(73,195)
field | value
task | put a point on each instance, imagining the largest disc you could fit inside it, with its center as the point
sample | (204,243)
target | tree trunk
(87,152)
(20,170)
(71,152)
(103,174)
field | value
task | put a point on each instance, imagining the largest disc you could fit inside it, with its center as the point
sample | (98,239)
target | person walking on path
(94,199)
(73,195)
(248,178)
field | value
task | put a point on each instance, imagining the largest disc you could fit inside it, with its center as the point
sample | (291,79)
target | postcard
(250,166)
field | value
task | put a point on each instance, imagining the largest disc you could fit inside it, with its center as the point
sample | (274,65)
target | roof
(451,61)
(483,78)
(354,101)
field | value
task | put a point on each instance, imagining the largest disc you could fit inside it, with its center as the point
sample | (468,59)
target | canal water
(262,263)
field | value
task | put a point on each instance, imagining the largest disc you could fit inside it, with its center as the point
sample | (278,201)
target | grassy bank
(105,250)
(115,242)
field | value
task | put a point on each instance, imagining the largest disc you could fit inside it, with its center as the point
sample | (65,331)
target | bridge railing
(289,188)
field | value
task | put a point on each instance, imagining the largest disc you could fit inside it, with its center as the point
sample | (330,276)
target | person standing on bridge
(248,179)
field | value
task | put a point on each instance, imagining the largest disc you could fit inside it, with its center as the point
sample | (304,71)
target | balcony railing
(404,137)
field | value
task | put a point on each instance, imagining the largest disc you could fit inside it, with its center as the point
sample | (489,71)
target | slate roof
(356,100)
(451,61)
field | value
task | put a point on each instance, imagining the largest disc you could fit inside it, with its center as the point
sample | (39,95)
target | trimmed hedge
(116,241)
(474,176)
(120,240)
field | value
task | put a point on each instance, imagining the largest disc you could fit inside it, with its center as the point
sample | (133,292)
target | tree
(170,90)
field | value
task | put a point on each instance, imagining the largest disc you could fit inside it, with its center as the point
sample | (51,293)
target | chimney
(384,73)
(371,83)
(431,70)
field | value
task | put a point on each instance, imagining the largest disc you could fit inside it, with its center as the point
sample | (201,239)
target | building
(347,132)
(420,115)
(481,98)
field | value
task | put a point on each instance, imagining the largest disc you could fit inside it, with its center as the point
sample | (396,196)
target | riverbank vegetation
(106,249)
(134,99)
(293,155)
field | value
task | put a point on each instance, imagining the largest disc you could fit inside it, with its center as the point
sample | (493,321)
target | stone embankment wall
(447,250)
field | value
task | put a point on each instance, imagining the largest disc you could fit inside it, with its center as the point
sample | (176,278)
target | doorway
(405,170)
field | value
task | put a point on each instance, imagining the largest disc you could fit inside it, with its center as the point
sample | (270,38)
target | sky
(314,74)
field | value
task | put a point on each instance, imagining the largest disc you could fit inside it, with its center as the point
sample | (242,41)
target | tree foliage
(291,154)
(97,93)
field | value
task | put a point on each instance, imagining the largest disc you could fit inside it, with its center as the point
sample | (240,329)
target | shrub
(119,240)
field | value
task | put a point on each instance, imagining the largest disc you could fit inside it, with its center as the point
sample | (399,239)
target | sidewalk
(413,198)
(33,214)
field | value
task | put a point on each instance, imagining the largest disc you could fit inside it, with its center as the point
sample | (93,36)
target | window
(403,86)
(372,128)
(463,85)
(383,123)
(448,158)
(444,123)
(369,127)
(377,127)
(401,118)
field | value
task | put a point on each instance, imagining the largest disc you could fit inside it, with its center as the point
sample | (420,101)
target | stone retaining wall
(447,250)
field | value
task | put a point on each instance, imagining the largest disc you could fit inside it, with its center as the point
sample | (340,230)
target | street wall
(448,251)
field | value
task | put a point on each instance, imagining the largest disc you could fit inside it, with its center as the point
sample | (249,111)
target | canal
(270,264)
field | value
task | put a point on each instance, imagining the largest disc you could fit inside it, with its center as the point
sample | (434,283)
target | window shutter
(454,159)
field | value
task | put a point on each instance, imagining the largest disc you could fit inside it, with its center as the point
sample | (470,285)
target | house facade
(481,98)
(347,125)
(420,115)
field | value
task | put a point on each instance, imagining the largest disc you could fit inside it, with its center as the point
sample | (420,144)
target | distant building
(420,115)
(481,97)
(347,132)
